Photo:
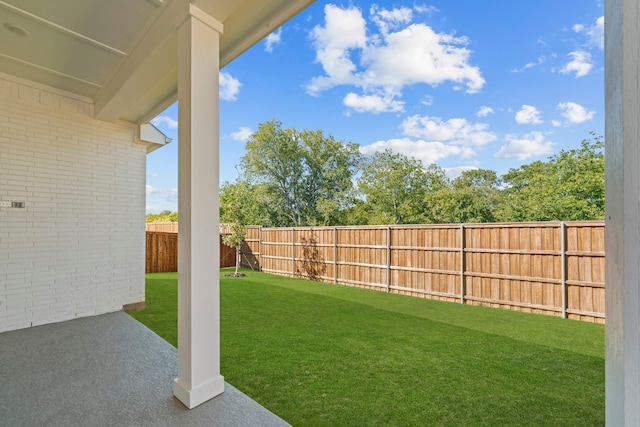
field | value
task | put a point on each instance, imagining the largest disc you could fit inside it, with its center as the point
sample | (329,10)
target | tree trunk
(238,258)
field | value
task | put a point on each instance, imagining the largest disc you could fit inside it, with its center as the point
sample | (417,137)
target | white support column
(199,376)
(622,164)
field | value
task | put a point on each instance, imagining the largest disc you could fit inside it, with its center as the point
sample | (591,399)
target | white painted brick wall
(77,248)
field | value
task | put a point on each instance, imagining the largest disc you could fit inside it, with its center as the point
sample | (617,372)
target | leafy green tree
(474,196)
(246,203)
(437,184)
(393,187)
(291,177)
(235,239)
(356,214)
(305,176)
(164,216)
(568,187)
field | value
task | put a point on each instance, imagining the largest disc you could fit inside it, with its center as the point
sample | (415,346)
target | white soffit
(69,44)
(122,53)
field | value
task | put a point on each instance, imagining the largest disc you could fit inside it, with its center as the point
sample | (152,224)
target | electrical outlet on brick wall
(11,204)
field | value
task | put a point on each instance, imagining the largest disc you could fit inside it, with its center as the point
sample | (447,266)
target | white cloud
(528,115)
(575,113)
(272,40)
(351,56)
(166,121)
(427,152)
(484,111)
(387,19)
(594,33)
(430,139)
(344,29)
(541,60)
(229,87)
(373,103)
(525,146)
(242,134)
(423,8)
(168,194)
(556,123)
(427,100)
(581,64)
(427,57)
(453,173)
(455,131)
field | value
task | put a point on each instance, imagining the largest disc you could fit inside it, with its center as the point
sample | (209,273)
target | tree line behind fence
(550,268)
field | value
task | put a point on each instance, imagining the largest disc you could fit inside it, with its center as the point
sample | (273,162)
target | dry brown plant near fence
(549,268)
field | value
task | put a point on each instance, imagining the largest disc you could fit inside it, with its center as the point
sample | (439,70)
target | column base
(202,393)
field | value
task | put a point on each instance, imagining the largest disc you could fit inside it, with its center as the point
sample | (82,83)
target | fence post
(462,245)
(389,259)
(293,252)
(335,254)
(563,263)
(260,246)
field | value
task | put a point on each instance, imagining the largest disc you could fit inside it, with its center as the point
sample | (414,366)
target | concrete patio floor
(107,370)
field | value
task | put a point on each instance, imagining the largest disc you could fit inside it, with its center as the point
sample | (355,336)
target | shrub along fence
(554,268)
(162,252)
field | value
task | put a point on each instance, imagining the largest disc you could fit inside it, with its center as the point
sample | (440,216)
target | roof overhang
(122,54)
(152,137)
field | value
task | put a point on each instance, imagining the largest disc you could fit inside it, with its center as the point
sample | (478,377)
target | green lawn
(321,354)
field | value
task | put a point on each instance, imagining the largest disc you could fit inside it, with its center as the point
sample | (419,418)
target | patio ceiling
(122,54)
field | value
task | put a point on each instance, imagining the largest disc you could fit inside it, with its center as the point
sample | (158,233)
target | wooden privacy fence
(554,268)
(162,252)
(167,227)
(172,227)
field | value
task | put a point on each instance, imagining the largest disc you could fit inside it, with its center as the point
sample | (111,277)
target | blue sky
(463,84)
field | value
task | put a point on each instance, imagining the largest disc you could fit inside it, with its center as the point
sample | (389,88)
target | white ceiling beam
(145,76)
(141,112)
(139,85)
(231,50)
(152,56)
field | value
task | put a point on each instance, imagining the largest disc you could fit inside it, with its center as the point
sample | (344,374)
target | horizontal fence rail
(554,268)
(172,227)
(162,252)
(167,227)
